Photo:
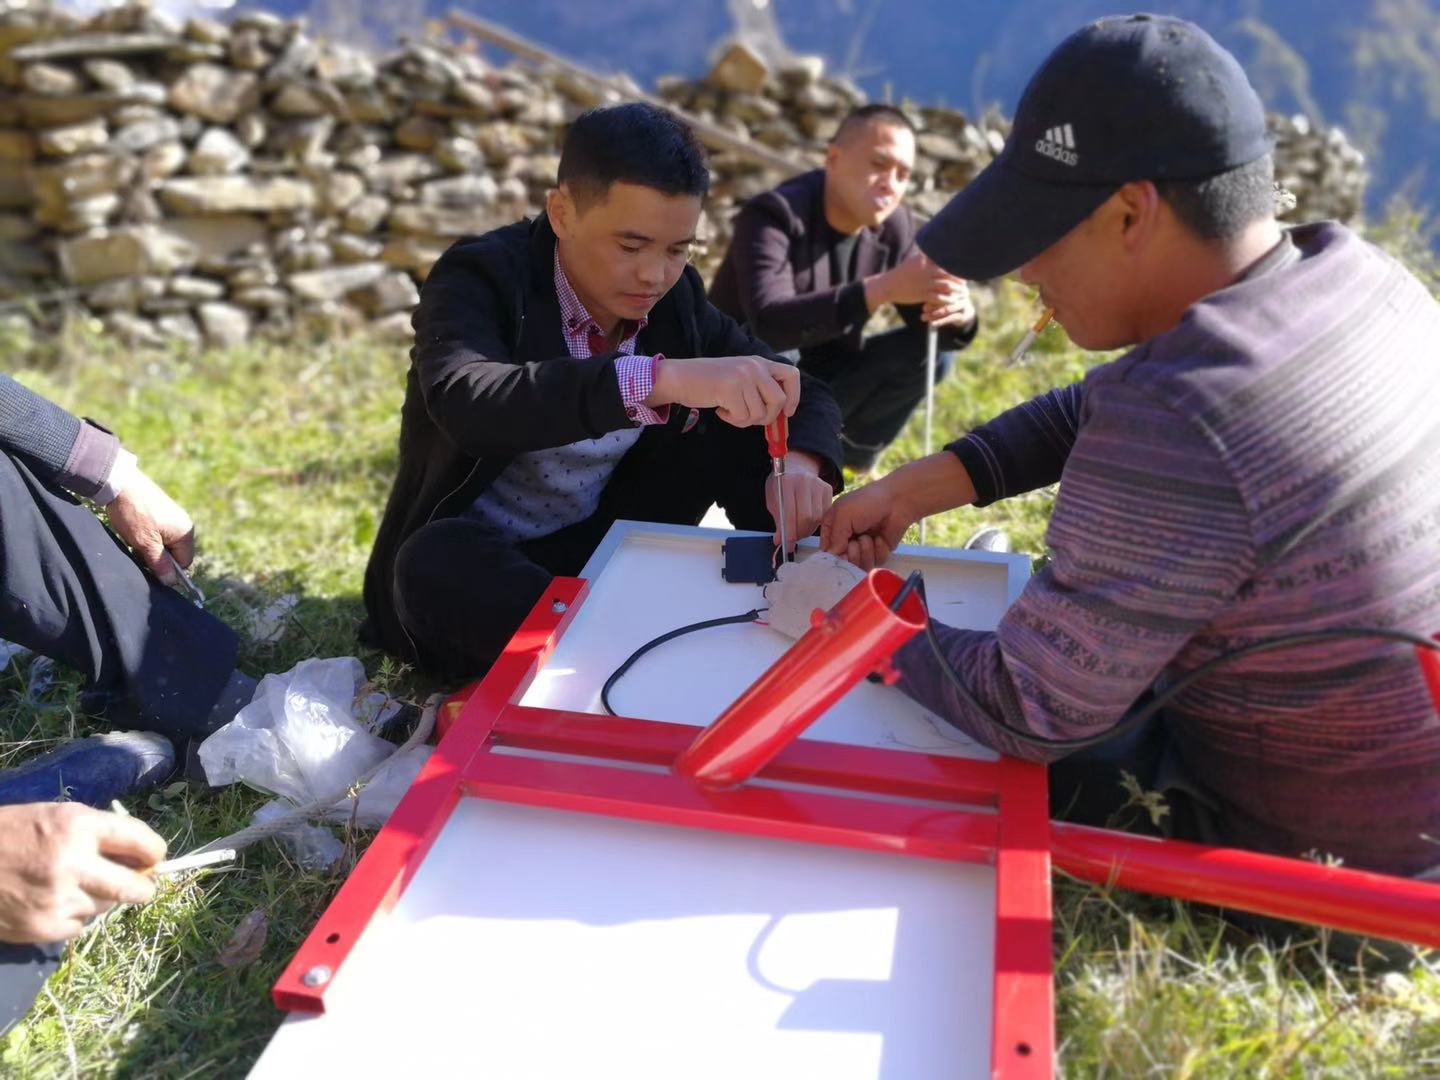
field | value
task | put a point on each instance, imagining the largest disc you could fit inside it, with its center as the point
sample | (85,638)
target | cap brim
(1002,219)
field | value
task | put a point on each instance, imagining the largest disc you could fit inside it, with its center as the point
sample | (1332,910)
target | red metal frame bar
(1019,839)
(394,856)
(1430,668)
(838,821)
(1013,840)
(1023,1021)
(842,646)
(1358,901)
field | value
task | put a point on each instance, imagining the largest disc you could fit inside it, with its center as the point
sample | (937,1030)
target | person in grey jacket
(96,600)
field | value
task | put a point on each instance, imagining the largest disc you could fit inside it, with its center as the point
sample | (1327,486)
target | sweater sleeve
(77,455)
(1151,539)
(1023,448)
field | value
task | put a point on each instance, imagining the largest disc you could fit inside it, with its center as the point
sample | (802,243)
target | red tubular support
(1430,666)
(1361,902)
(857,636)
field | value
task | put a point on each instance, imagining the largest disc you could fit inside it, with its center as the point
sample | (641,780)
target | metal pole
(932,348)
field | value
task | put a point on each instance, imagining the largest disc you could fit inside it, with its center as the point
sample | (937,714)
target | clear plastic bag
(377,800)
(299,736)
(307,734)
(313,846)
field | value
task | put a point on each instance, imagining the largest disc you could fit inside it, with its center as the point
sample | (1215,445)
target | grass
(283,454)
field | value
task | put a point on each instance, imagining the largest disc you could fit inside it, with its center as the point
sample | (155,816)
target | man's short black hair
(1220,207)
(885,114)
(632,143)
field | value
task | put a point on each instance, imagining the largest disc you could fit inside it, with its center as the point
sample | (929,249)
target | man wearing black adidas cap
(1264,461)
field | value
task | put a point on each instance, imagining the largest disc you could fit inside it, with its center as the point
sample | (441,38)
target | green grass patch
(283,454)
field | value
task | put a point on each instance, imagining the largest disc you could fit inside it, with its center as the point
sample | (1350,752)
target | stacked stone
(1321,168)
(795,109)
(207,181)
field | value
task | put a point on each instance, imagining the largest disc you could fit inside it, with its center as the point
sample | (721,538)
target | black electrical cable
(916,582)
(749,616)
(1174,689)
(913,582)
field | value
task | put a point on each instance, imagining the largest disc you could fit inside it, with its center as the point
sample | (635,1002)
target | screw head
(559,607)
(318,975)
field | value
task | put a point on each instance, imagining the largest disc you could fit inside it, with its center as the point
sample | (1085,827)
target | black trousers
(1088,787)
(23,971)
(461,593)
(70,590)
(876,391)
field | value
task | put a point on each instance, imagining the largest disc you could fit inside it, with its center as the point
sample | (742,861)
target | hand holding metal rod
(777,437)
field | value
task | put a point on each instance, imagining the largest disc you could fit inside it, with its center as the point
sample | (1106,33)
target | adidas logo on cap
(1059,143)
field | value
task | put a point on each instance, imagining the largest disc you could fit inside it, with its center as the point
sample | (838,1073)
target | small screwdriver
(777,437)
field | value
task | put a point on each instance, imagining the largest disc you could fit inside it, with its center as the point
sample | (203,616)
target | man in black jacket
(568,372)
(811,261)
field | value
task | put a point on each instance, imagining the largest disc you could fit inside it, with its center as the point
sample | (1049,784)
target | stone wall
(209,181)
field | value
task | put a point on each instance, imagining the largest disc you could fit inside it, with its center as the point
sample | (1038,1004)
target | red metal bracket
(841,647)
(1019,840)
(1013,840)
(395,854)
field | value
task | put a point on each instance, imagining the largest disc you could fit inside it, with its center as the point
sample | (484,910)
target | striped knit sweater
(1271,465)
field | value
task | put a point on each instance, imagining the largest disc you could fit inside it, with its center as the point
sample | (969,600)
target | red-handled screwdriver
(777,436)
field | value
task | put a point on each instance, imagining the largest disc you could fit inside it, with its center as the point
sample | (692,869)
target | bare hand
(865,526)
(807,497)
(62,864)
(743,390)
(949,304)
(152,523)
(915,280)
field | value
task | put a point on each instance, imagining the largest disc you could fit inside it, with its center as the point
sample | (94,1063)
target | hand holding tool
(186,585)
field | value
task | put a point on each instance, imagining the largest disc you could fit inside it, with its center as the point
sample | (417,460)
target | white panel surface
(542,945)
(652,581)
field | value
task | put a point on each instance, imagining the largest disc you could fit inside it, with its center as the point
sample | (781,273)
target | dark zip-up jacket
(777,280)
(490,377)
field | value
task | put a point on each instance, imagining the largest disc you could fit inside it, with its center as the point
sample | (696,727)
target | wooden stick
(716,138)
(196,861)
